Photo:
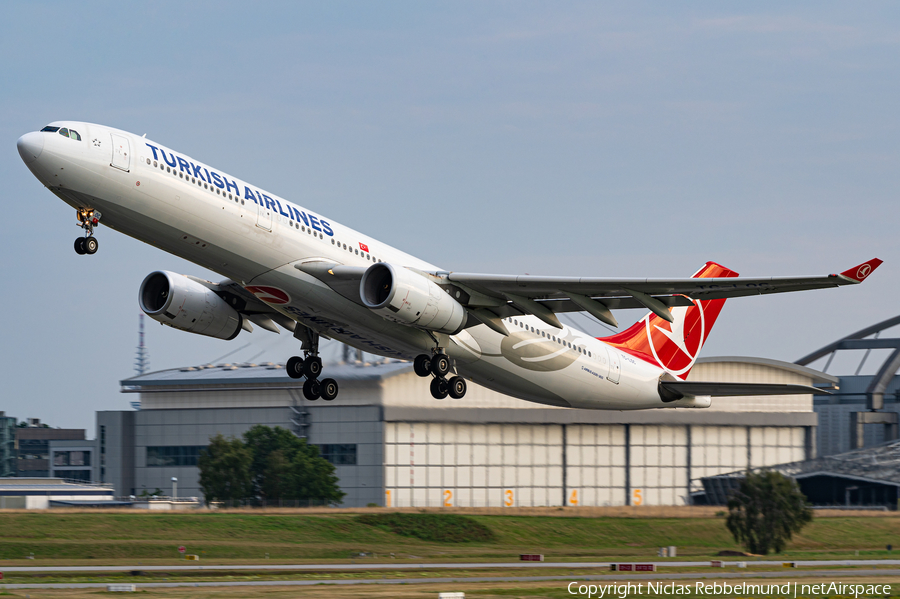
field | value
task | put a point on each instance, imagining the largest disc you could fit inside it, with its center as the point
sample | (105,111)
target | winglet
(861,272)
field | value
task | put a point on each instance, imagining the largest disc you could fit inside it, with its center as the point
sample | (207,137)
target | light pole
(174,488)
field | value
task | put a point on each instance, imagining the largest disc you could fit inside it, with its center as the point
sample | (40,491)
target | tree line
(269,464)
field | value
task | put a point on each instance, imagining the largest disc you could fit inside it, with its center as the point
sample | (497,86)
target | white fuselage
(255,238)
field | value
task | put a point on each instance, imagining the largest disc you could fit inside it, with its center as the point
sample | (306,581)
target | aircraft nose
(30,146)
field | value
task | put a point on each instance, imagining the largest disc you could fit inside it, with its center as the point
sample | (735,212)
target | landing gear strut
(87,220)
(310,367)
(439,365)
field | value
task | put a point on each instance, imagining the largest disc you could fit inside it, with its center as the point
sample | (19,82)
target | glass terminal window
(71,458)
(84,475)
(173,455)
(339,454)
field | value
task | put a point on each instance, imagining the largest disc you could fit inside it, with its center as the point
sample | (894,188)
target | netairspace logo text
(790,589)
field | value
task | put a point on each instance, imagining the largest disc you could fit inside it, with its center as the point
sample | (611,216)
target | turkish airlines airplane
(290,267)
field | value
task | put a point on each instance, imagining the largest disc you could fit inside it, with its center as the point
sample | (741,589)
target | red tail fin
(674,346)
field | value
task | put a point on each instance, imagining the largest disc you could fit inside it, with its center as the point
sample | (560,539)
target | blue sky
(600,139)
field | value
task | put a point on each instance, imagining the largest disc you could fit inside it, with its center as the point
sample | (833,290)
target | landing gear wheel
(328,388)
(439,388)
(312,367)
(440,365)
(422,365)
(312,389)
(294,367)
(457,387)
(79,246)
(91,245)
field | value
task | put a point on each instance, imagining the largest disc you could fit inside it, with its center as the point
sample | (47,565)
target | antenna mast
(142,362)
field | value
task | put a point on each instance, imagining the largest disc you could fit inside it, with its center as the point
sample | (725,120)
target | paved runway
(441,566)
(832,575)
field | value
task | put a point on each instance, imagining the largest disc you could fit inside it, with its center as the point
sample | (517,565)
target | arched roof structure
(859,340)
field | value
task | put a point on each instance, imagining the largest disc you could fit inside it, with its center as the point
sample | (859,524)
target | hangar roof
(231,373)
(879,463)
(394,386)
(266,373)
(50,486)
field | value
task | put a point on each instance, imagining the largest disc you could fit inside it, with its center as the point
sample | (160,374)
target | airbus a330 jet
(289,267)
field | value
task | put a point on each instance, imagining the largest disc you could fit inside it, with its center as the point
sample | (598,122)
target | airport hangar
(395,445)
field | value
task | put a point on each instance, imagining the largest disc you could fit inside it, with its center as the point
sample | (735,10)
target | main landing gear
(439,366)
(87,220)
(310,367)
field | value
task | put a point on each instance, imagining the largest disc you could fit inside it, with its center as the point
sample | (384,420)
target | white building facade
(393,444)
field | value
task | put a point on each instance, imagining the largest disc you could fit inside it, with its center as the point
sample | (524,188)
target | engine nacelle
(187,305)
(403,296)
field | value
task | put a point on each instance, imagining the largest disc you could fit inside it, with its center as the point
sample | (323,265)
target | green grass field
(507,590)
(287,537)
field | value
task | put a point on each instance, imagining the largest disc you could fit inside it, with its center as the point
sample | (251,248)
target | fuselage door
(615,366)
(121,152)
(263,217)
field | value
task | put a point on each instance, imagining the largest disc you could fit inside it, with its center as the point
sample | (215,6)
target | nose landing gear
(439,366)
(87,220)
(310,367)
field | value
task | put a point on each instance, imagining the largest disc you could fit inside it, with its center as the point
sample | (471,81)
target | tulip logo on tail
(674,346)
(270,295)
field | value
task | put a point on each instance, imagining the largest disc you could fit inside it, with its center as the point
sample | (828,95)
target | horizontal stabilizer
(703,388)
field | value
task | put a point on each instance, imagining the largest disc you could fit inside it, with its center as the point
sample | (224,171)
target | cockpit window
(70,133)
(50,128)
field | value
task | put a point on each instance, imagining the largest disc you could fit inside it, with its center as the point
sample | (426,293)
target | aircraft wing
(542,296)
(491,298)
(704,388)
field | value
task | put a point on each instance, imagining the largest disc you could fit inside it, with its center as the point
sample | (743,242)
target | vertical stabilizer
(674,346)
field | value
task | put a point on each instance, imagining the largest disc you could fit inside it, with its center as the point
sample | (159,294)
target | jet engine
(184,304)
(403,296)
